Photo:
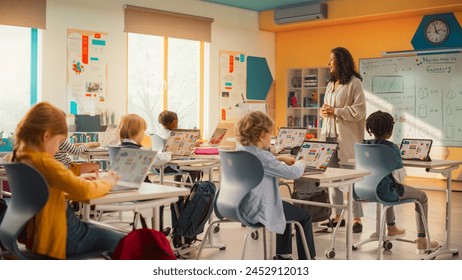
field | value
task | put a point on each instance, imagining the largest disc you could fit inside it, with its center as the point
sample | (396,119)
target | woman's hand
(327,111)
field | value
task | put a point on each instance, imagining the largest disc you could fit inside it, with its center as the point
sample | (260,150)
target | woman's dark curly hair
(380,124)
(250,127)
(344,66)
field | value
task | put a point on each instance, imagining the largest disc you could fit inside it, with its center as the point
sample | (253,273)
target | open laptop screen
(217,136)
(181,141)
(290,137)
(317,154)
(132,165)
(416,149)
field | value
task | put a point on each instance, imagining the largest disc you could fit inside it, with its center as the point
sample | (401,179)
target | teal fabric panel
(259,78)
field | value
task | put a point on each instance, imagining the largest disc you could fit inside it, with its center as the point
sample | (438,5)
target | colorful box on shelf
(6,145)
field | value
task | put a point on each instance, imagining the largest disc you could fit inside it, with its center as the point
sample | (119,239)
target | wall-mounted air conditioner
(296,13)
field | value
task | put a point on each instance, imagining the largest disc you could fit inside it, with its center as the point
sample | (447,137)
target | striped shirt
(66,148)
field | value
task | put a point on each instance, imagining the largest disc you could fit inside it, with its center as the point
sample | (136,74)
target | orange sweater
(48,230)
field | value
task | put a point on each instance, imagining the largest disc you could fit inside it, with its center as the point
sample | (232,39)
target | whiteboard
(423,93)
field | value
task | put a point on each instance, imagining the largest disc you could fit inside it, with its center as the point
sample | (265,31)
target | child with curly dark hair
(380,124)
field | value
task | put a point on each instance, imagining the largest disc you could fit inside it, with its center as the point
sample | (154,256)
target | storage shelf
(305,93)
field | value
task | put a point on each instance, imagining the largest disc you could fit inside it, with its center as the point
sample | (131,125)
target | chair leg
(381,232)
(207,236)
(265,255)
(301,231)
(374,236)
(245,241)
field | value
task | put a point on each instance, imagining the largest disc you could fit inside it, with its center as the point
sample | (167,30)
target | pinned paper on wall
(233,78)
(86,71)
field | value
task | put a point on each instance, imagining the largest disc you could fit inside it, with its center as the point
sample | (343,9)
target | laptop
(109,137)
(290,137)
(416,149)
(133,166)
(317,155)
(180,143)
(217,137)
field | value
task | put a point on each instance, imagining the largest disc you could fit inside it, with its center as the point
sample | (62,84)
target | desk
(95,155)
(147,191)
(337,178)
(444,167)
(198,162)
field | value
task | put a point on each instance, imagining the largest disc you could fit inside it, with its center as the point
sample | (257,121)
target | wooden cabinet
(305,93)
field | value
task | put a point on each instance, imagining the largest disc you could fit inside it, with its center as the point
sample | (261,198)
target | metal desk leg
(446,249)
(349,223)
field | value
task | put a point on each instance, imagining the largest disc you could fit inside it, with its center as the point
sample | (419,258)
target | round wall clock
(437,31)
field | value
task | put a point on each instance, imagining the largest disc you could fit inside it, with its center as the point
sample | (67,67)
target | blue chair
(241,172)
(29,193)
(380,160)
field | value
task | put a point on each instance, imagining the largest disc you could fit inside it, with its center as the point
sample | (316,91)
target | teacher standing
(344,116)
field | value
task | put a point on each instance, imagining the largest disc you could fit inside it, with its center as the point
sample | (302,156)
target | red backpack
(144,244)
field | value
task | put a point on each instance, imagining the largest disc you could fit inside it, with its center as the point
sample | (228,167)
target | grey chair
(241,172)
(380,160)
(29,193)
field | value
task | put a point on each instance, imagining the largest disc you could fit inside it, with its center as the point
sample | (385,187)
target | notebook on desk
(181,142)
(415,149)
(317,155)
(290,137)
(133,167)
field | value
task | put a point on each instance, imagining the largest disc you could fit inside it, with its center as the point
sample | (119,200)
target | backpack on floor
(307,190)
(144,244)
(195,212)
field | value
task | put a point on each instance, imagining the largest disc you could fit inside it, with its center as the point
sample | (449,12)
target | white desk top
(337,174)
(147,191)
(194,161)
(431,164)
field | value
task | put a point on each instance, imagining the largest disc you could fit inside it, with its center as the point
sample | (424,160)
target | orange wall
(311,47)
(364,36)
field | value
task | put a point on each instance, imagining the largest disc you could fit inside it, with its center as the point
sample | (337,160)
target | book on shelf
(83,137)
(310,81)
(310,121)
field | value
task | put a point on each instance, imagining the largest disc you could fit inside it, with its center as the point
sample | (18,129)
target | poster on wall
(86,72)
(233,78)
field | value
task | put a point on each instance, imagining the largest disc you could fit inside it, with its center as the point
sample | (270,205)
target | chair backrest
(157,142)
(380,160)
(241,172)
(113,150)
(29,193)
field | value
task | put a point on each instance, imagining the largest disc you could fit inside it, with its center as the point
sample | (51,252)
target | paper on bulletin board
(87,70)
(233,77)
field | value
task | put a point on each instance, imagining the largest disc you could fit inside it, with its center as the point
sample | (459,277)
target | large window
(164,74)
(18,74)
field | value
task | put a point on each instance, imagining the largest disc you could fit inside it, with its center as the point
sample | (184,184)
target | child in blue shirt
(380,124)
(264,204)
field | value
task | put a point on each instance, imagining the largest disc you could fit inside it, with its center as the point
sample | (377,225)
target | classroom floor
(232,234)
